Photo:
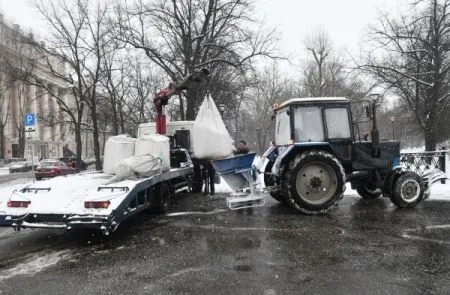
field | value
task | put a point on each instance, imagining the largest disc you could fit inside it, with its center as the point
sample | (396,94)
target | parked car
(70,161)
(20,167)
(52,168)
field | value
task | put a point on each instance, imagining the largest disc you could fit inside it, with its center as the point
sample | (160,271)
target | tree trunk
(191,103)
(98,161)
(79,146)
(21,142)
(2,141)
(115,121)
(182,118)
(430,139)
(122,123)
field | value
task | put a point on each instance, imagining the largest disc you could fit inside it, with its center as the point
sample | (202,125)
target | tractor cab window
(338,125)
(282,127)
(308,124)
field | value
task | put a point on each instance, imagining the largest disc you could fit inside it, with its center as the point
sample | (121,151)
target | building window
(29,150)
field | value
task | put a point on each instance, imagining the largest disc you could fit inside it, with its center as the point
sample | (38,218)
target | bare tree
(79,36)
(272,87)
(416,62)
(181,36)
(145,82)
(319,45)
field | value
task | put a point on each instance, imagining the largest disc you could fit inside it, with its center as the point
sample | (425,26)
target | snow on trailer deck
(60,202)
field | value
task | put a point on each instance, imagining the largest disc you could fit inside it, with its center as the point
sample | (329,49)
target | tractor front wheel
(368,191)
(315,182)
(408,190)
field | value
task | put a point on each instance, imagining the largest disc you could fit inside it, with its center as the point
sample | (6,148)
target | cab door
(338,131)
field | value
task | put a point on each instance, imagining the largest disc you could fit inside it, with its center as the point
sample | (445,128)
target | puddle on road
(35,263)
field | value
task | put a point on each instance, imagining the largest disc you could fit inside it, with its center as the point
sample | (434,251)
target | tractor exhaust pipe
(375,134)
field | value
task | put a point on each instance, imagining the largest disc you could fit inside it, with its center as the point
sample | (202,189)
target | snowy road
(202,248)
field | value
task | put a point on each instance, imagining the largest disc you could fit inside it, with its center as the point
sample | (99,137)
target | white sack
(156,145)
(138,166)
(117,148)
(210,138)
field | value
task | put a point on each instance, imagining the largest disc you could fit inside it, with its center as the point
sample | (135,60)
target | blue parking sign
(29,119)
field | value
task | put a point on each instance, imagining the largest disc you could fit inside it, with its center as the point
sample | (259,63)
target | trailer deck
(90,200)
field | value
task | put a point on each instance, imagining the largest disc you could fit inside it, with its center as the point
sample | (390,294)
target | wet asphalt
(363,247)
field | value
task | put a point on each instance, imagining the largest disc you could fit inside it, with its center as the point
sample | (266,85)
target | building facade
(53,131)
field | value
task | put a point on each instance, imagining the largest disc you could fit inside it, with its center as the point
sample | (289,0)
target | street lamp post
(393,127)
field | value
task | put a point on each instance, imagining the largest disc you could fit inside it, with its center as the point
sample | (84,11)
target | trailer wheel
(315,182)
(408,190)
(368,191)
(159,198)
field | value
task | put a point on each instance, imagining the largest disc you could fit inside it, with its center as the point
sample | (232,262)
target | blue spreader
(232,164)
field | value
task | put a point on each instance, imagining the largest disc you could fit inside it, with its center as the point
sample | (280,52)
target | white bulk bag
(210,137)
(117,148)
(138,166)
(156,145)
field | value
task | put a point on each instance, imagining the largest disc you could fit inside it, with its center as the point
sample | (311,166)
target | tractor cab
(316,123)
(327,124)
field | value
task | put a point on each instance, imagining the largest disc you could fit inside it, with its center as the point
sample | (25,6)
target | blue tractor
(318,149)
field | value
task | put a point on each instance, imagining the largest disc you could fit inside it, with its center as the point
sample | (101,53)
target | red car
(52,168)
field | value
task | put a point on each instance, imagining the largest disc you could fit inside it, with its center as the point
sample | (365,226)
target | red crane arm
(162,97)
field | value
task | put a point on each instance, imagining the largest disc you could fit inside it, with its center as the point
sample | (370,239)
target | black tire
(38,178)
(315,182)
(269,181)
(277,195)
(408,190)
(368,191)
(160,198)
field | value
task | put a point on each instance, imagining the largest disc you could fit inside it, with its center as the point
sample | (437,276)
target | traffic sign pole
(29,121)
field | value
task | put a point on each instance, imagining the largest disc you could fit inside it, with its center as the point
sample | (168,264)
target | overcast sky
(345,20)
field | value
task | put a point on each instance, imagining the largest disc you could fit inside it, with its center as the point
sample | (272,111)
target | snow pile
(34,264)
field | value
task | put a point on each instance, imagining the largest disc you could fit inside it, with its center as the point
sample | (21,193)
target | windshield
(282,127)
(47,164)
(308,124)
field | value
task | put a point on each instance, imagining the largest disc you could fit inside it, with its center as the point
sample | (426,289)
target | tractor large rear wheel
(408,190)
(315,182)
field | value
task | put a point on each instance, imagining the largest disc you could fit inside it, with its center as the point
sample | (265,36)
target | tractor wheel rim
(410,190)
(316,183)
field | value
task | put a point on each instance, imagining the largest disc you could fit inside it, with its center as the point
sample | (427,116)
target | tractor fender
(286,154)
(269,156)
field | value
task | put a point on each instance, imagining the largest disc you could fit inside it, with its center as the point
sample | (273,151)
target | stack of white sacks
(127,157)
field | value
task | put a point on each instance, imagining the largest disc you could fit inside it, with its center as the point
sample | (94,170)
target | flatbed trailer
(94,201)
